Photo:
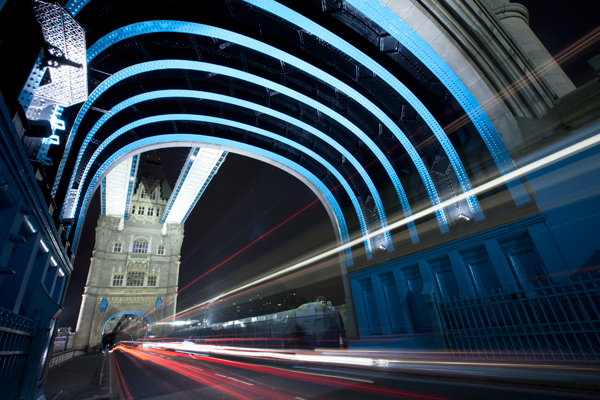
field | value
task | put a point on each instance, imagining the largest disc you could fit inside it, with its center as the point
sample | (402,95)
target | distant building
(135,265)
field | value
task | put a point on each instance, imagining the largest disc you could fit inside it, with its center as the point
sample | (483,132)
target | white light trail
(584,144)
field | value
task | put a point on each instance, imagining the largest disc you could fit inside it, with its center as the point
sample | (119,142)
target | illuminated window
(118,280)
(141,211)
(135,278)
(118,247)
(150,211)
(152,280)
(161,250)
(140,246)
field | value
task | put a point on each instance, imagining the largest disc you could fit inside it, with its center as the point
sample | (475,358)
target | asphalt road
(165,375)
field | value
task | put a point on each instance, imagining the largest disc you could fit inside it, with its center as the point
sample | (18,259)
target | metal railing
(547,321)
(60,358)
(16,336)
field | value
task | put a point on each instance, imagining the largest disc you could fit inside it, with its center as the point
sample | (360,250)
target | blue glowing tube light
(257,108)
(237,125)
(199,139)
(385,18)
(142,28)
(205,67)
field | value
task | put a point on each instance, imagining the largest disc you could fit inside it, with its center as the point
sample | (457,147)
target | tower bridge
(455,159)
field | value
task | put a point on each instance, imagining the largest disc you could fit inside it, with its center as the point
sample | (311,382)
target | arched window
(140,246)
(117,247)
(135,278)
(150,211)
(161,250)
(141,210)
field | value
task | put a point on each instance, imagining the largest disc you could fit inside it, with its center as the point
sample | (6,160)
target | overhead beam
(200,167)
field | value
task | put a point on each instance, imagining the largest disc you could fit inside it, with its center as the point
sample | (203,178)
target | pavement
(79,378)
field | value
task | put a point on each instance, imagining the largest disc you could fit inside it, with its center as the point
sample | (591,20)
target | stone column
(461,274)
(384,316)
(515,18)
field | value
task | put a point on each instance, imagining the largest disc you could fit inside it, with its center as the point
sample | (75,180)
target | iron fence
(16,336)
(546,321)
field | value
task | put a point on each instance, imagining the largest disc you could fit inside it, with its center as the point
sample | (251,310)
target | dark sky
(247,198)
(244,201)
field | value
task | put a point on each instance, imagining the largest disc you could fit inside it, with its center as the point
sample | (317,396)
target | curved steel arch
(395,26)
(206,67)
(143,314)
(250,128)
(198,139)
(146,27)
(255,107)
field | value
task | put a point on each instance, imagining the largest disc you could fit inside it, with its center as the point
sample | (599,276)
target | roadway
(161,374)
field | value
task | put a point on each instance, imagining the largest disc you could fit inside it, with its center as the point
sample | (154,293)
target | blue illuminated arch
(143,314)
(255,107)
(409,39)
(206,67)
(142,28)
(194,139)
(249,128)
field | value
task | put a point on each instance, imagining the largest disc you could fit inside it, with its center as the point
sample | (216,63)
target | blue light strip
(386,19)
(210,177)
(257,108)
(103,198)
(184,173)
(130,187)
(200,66)
(389,21)
(232,37)
(237,125)
(193,138)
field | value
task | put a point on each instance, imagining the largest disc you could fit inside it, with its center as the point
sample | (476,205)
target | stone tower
(134,268)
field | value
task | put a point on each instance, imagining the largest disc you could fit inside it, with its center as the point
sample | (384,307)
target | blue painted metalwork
(200,66)
(237,125)
(385,18)
(130,188)
(261,109)
(182,176)
(232,37)
(143,314)
(212,174)
(192,138)
(185,171)
(103,197)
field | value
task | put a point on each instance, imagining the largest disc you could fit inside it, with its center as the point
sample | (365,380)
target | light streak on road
(242,388)
(502,180)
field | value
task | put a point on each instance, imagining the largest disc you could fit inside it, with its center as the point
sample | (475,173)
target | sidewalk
(77,379)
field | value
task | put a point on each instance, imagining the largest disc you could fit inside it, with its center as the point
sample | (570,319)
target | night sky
(248,198)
